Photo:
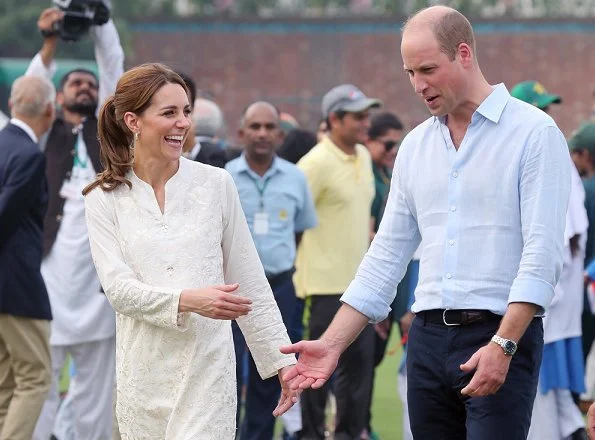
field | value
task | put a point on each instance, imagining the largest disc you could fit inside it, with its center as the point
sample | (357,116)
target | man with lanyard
(84,322)
(278,206)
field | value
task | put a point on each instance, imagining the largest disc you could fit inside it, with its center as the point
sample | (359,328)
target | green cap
(583,138)
(534,93)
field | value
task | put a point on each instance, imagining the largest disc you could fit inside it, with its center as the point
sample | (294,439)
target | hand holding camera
(48,22)
(71,19)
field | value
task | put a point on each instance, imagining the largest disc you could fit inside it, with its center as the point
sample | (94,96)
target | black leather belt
(280,277)
(450,317)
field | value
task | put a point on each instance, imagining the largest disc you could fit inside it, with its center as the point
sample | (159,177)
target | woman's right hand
(216,302)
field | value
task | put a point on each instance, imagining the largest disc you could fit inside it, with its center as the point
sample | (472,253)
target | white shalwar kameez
(176,371)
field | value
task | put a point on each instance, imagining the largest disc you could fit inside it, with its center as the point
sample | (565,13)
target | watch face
(509,346)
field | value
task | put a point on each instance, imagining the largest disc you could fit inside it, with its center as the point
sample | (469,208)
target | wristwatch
(508,345)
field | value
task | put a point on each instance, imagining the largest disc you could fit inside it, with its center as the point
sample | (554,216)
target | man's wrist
(49,34)
(508,346)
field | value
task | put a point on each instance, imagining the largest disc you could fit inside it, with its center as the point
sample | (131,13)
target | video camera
(79,16)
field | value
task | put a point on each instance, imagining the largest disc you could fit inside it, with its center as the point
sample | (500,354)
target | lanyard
(78,160)
(261,189)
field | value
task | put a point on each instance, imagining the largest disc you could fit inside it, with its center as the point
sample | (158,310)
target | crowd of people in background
(107,279)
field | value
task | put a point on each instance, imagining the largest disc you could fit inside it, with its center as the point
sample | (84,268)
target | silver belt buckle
(444,319)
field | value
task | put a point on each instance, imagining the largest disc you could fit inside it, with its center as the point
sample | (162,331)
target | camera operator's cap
(583,138)
(348,98)
(535,94)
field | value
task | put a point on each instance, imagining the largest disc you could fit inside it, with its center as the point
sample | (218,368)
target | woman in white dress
(176,260)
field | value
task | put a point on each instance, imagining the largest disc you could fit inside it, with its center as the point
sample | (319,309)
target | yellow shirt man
(342,187)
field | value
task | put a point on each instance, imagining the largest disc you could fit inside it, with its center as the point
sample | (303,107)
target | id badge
(261,223)
(70,190)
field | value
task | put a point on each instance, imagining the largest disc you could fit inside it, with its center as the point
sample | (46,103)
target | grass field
(387,412)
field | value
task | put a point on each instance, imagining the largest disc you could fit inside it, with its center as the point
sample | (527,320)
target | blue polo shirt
(281,197)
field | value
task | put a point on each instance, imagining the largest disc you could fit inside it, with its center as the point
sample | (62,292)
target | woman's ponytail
(116,154)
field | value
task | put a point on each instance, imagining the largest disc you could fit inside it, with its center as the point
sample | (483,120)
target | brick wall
(292,64)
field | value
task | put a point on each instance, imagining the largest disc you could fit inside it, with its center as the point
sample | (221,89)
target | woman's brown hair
(134,93)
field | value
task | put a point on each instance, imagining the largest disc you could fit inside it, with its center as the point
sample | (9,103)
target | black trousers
(352,380)
(262,396)
(438,411)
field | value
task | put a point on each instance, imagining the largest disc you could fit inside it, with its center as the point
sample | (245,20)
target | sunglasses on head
(389,145)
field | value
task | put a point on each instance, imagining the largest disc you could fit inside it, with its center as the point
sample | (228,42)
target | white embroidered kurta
(176,372)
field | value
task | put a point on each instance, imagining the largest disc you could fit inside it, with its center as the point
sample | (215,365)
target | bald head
(207,118)
(449,26)
(259,131)
(259,108)
(30,96)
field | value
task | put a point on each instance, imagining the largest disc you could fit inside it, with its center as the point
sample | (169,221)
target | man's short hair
(30,95)
(65,77)
(382,123)
(451,29)
(207,118)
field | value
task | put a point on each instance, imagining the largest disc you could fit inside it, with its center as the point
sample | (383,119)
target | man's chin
(84,109)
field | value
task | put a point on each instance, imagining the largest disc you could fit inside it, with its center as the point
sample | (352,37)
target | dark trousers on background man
(262,395)
(351,382)
(438,411)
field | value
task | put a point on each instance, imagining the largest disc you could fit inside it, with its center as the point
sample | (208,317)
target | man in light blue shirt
(485,181)
(278,207)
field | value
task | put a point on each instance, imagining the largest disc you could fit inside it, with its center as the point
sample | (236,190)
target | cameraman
(84,322)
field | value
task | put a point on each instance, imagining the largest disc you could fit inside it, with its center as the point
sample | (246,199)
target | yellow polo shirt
(342,187)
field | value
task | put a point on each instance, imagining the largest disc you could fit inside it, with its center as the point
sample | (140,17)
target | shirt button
(455,174)
(449,276)
(73,152)
(164,228)
(451,242)
(453,208)
(170,270)
(59,218)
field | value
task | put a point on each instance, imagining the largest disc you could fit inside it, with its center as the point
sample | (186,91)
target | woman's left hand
(288,396)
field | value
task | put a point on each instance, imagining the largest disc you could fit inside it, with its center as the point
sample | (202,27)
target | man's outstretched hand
(316,363)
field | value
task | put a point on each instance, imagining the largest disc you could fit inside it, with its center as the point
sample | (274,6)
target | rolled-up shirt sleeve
(374,287)
(37,68)
(544,189)
(109,56)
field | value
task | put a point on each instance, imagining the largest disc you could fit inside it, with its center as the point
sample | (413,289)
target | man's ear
(465,54)
(60,98)
(49,109)
(10,104)
(132,121)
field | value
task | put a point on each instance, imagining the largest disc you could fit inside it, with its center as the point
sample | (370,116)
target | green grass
(387,410)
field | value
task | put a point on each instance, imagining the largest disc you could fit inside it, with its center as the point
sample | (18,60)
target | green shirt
(589,184)
(382,183)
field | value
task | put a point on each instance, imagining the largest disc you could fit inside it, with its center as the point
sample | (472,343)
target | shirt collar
(243,167)
(340,154)
(491,107)
(26,128)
